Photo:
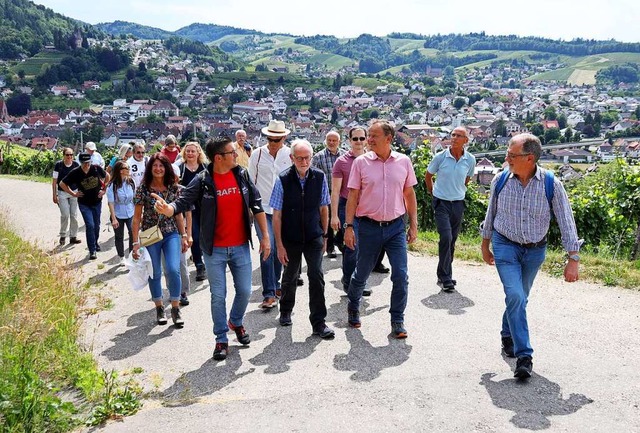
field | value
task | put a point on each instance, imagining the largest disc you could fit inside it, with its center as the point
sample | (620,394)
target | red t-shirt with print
(230,230)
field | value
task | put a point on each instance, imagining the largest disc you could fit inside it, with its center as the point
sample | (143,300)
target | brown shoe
(268,303)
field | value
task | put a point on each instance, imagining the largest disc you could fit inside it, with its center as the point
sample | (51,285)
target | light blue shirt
(451,174)
(123,204)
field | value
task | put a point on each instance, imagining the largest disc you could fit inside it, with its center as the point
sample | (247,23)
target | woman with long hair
(159,178)
(120,194)
(67,203)
(193,162)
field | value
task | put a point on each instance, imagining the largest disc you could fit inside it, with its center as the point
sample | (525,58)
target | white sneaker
(121,261)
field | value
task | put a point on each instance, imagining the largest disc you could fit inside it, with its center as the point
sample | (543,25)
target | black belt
(379,223)
(538,244)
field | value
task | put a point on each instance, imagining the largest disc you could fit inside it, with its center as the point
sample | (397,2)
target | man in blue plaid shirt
(324,161)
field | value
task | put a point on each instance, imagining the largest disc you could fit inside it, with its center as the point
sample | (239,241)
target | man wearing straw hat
(265,164)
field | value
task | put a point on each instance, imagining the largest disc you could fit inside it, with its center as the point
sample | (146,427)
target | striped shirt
(325,160)
(522,214)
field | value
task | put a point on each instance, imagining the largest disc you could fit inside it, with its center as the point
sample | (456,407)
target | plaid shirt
(324,160)
(522,214)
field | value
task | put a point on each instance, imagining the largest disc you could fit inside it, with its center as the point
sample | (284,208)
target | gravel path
(447,376)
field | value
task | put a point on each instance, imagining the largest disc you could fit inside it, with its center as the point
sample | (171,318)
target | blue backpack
(548,186)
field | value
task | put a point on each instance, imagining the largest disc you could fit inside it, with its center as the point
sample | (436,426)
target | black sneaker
(300,281)
(98,249)
(241,333)
(201,274)
(221,351)
(323,331)
(398,331)
(524,366)
(63,240)
(507,347)
(285,319)
(367,291)
(74,241)
(160,317)
(332,254)
(177,317)
(93,256)
(354,318)
(184,300)
(381,269)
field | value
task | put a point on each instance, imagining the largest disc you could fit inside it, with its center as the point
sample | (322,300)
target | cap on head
(84,157)
(90,145)
(276,129)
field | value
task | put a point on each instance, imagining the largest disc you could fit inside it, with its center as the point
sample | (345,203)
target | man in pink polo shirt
(380,194)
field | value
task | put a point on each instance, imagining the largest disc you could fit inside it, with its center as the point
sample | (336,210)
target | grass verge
(40,358)
(593,267)
(32,178)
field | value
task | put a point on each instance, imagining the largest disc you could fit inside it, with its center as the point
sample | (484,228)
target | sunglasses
(227,153)
(358,138)
(274,139)
(68,154)
(139,153)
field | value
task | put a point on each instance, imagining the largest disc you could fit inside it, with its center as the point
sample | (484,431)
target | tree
(550,113)
(568,134)
(551,135)
(537,130)
(501,129)
(19,104)
(458,103)
(334,116)
(142,68)
(562,121)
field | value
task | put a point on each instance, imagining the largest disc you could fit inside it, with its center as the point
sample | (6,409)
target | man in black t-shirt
(67,203)
(91,181)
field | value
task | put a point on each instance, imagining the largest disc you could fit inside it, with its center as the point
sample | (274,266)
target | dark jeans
(312,251)
(119,232)
(349,256)
(393,239)
(196,252)
(448,216)
(331,236)
(91,217)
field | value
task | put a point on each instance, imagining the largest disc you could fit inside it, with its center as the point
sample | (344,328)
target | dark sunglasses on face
(358,138)
(139,153)
(68,154)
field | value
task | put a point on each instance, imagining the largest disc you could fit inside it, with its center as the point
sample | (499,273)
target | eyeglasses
(140,153)
(274,139)
(458,135)
(302,158)
(227,153)
(68,154)
(515,155)
(358,138)
(124,168)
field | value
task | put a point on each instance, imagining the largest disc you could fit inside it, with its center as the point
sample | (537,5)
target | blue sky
(563,19)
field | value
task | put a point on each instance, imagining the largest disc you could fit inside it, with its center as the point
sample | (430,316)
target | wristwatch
(574,257)
(347,225)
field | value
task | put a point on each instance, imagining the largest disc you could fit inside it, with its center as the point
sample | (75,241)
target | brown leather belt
(378,223)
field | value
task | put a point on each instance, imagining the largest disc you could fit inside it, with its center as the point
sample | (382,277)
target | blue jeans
(312,251)
(91,217)
(270,269)
(517,267)
(170,247)
(448,216)
(239,261)
(372,239)
(349,256)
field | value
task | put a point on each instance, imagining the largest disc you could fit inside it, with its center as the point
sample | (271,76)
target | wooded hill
(25,28)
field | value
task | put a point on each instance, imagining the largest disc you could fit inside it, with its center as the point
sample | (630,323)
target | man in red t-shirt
(171,149)
(227,196)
